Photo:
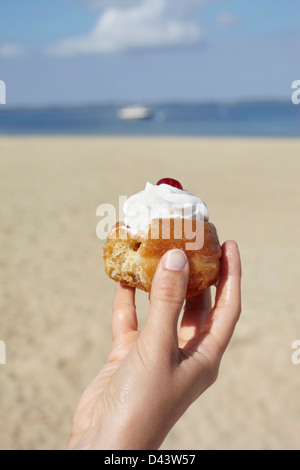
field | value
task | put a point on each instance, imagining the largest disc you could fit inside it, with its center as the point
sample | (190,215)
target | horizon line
(118,103)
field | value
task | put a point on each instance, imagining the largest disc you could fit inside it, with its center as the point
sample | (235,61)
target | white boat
(134,112)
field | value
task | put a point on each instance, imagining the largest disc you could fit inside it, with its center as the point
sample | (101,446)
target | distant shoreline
(117,104)
(238,119)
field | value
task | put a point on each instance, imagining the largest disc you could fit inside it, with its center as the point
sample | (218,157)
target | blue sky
(77,51)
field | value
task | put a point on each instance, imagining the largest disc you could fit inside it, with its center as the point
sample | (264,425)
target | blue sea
(257,119)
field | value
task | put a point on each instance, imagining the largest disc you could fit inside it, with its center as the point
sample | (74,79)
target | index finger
(220,323)
(124,319)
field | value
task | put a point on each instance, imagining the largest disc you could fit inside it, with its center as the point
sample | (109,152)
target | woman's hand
(152,376)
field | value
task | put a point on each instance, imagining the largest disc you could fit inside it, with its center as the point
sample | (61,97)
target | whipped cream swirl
(161,202)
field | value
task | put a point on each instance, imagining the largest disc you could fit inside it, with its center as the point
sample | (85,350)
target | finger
(168,294)
(228,296)
(220,324)
(196,311)
(124,319)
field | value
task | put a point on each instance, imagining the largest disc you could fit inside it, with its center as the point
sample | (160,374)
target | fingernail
(175,260)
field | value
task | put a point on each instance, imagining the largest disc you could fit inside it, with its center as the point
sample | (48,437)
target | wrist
(122,431)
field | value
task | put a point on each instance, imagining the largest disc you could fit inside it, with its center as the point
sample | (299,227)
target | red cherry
(171,182)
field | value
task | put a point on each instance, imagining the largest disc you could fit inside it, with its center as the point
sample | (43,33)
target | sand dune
(55,302)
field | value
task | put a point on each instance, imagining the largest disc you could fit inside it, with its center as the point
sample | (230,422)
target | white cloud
(150,24)
(96,4)
(9,50)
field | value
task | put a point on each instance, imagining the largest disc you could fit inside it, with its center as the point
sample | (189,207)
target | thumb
(168,292)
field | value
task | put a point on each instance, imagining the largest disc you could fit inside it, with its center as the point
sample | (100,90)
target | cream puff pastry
(158,219)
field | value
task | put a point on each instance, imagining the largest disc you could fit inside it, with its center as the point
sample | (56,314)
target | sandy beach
(55,301)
